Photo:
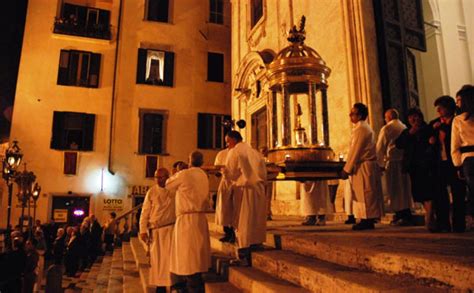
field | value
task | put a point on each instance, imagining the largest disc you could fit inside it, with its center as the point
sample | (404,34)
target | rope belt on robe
(150,238)
(195,212)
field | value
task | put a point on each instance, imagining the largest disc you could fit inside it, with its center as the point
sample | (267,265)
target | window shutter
(152,133)
(94,70)
(88,131)
(218,131)
(57,131)
(151,166)
(141,65)
(158,10)
(205,131)
(104,17)
(169,69)
(72,69)
(81,15)
(215,67)
(63,67)
(84,69)
(163,10)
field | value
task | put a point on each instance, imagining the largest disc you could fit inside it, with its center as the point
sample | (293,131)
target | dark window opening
(215,67)
(73,131)
(79,68)
(151,133)
(157,10)
(216,11)
(211,131)
(155,67)
(256,11)
(83,21)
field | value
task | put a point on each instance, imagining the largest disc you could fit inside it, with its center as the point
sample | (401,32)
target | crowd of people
(427,163)
(68,249)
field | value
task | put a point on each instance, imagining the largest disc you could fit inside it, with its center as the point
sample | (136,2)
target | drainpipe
(114,89)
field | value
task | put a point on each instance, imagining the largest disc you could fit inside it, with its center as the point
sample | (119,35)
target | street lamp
(25,181)
(10,163)
(36,193)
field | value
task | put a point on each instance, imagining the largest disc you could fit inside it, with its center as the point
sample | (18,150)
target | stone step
(254,280)
(115,284)
(321,276)
(131,276)
(104,273)
(221,287)
(141,260)
(223,248)
(447,259)
(91,280)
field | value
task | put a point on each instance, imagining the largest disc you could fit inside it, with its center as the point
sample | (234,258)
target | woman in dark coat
(420,161)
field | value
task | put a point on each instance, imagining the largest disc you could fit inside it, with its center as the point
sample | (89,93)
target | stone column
(286,123)
(272,119)
(313,119)
(324,105)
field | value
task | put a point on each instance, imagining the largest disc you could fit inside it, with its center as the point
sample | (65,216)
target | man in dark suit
(446,108)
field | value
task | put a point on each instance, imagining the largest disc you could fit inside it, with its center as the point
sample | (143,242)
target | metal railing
(66,26)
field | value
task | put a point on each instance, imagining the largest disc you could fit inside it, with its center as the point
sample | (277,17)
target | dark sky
(12,23)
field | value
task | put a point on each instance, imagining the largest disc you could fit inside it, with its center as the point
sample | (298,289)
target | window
(79,68)
(73,131)
(83,21)
(157,10)
(216,11)
(155,67)
(152,129)
(215,67)
(211,131)
(256,11)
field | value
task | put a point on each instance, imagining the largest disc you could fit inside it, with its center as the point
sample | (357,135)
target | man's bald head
(161,175)
(391,114)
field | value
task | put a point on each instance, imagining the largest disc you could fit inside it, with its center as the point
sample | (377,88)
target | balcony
(71,26)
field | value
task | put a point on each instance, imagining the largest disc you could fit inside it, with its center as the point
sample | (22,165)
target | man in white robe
(362,165)
(190,247)
(314,202)
(245,167)
(395,182)
(156,228)
(224,205)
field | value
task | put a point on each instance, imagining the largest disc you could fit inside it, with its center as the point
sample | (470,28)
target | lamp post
(25,181)
(36,193)
(10,163)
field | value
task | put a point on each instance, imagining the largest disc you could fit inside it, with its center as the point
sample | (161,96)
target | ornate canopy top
(297,65)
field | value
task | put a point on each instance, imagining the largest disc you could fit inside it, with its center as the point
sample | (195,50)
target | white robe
(190,247)
(245,167)
(362,165)
(224,205)
(395,183)
(314,198)
(158,210)
(348,197)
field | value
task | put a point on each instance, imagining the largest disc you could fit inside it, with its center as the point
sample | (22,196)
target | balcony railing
(68,26)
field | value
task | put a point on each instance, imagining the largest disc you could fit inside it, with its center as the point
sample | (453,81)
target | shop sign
(113,204)
(139,190)
(60,215)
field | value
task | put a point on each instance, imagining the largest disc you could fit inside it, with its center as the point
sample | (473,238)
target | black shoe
(364,225)
(350,220)
(309,221)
